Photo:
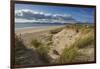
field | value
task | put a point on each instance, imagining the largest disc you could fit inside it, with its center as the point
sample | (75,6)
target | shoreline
(34,29)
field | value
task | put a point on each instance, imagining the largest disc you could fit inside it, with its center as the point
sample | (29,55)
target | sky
(29,12)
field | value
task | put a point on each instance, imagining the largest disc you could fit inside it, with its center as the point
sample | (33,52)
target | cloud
(27,15)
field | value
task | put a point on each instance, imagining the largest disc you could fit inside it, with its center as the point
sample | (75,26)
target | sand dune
(57,39)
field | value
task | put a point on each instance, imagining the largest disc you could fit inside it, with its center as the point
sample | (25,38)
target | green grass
(85,41)
(19,45)
(36,43)
(23,55)
(84,29)
(69,55)
(42,50)
(79,27)
(43,53)
(20,52)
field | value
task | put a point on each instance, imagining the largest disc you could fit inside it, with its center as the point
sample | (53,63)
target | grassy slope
(68,54)
(86,38)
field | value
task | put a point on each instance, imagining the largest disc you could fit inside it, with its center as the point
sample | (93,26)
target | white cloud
(27,15)
(19,20)
(27,11)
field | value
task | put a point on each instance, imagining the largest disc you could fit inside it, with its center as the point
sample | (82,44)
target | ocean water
(34,25)
(38,25)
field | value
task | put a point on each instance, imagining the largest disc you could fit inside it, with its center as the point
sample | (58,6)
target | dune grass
(55,31)
(19,45)
(36,43)
(80,27)
(22,53)
(43,53)
(41,49)
(70,54)
(84,41)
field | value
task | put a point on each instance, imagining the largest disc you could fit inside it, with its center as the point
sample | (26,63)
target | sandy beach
(34,30)
(40,34)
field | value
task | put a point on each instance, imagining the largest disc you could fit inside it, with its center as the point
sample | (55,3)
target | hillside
(69,44)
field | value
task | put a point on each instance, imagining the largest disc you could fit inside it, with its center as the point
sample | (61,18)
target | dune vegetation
(71,52)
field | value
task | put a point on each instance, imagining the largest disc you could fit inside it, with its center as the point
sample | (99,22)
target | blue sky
(79,14)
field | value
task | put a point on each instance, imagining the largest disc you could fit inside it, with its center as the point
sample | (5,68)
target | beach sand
(34,30)
(62,39)
(29,34)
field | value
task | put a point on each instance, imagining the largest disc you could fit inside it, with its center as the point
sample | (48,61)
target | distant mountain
(27,15)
